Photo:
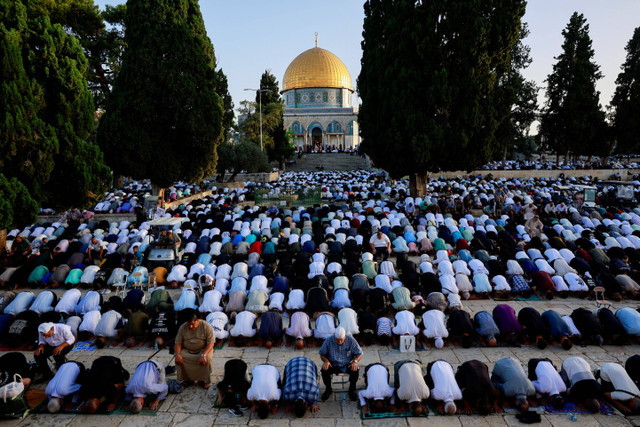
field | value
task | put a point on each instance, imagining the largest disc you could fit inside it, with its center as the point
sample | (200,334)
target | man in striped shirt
(301,389)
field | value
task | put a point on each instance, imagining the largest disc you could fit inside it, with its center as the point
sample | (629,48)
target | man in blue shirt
(301,388)
(340,354)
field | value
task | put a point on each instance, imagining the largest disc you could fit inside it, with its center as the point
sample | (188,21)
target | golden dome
(316,67)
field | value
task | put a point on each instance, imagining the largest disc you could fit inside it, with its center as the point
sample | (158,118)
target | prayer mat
(372,416)
(121,409)
(532,297)
(574,408)
(504,297)
(84,346)
(35,397)
(220,346)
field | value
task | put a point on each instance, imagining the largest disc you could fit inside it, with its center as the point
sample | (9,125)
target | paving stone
(96,420)
(444,420)
(161,419)
(348,422)
(317,422)
(46,420)
(269,422)
(612,420)
(192,420)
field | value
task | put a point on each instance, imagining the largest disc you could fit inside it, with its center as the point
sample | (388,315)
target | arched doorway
(316,137)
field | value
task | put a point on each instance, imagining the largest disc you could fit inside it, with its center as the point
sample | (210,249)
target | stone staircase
(330,162)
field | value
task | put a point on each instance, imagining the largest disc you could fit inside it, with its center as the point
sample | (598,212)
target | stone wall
(246,177)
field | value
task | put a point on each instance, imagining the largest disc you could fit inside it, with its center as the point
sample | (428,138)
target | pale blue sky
(250,36)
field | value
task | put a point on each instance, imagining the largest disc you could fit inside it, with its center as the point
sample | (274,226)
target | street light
(260,107)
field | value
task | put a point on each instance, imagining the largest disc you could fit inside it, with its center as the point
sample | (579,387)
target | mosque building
(317,93)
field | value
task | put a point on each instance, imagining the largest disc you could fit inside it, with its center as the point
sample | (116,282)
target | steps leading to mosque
(329,162)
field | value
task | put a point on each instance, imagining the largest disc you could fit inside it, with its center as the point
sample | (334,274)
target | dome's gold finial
(316,39)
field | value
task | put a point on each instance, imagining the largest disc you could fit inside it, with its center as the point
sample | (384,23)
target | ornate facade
(317,93)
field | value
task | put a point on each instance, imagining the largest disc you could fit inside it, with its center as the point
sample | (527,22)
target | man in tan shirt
(194,351)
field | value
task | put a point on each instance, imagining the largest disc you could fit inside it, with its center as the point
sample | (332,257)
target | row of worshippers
(100,387)
(470,389)
(131,322)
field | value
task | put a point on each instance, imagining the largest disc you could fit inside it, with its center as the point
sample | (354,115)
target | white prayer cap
(340,333)
(439,343)
(45,327)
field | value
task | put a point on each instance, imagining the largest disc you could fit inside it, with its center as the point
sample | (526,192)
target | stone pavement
(194,407)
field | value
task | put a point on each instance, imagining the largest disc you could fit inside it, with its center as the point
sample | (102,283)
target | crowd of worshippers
(551,164)
(470,389)
(349,264)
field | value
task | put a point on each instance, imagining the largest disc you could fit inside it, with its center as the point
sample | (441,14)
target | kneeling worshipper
(510,379)
(411,388)
(434,327)
(148,382)
(64,386)
(301,390)
(194,350)
(378,396)
(232,390)
(444,388)
(583,387)
(618,386)
(478,390)
(103,384)
(265,391)
(547,381)
(299,328)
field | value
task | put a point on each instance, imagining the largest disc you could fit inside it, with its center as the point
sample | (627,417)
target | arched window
(334,127)
(296,128)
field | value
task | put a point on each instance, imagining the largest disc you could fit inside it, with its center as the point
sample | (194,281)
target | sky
(250,36)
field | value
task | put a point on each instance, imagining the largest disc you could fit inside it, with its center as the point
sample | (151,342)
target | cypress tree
(573,121)
(429,73)
(626,99)
(164,119)
(47,109)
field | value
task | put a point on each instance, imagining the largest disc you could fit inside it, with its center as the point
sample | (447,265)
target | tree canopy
(573,121)
(626,99)
(429,79)
(164,118)
(276,141)
(46,109)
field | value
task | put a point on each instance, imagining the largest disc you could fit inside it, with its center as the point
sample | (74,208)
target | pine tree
(429,71)
(572,121)
(164,119)
(626,99)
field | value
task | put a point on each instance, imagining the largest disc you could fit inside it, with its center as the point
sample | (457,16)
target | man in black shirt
(102,385)
(235,383)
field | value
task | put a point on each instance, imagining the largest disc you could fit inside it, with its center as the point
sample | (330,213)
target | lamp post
(260,107)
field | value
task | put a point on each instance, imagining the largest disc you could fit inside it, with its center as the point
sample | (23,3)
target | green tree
(102,46)
(572,120)
(222,87)
(17,207)
(429,71)
(48,120)
(517,97)
(626,99)
(275,139)
(164,118)
(244,156)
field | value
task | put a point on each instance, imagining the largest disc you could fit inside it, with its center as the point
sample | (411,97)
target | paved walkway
(194,407)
